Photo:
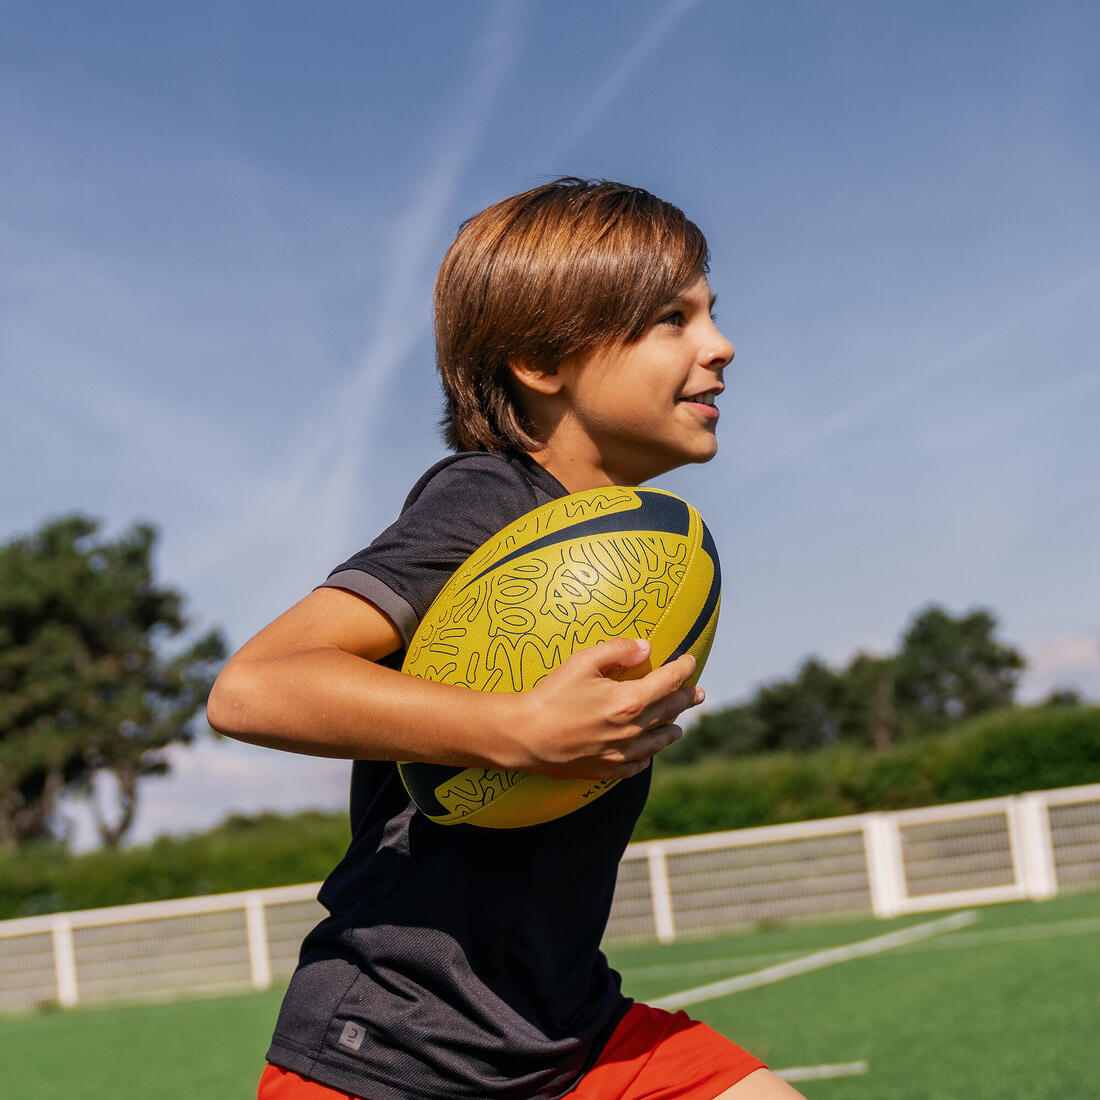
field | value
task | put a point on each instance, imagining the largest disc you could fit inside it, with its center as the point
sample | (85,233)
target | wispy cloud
(328,449)
(619,78)
(318,486)
(910,378)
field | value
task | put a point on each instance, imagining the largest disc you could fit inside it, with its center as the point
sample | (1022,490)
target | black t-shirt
(457,963)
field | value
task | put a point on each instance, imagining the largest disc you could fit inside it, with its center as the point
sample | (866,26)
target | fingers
(633,654)
(639,754)
(635,767)
(653,741)
(619,654)
(615,729)
(669,677)
(666,701)
(663,694)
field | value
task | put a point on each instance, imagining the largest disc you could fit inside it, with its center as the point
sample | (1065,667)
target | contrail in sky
(347,408)
(619,77)
(327,448)
(333,441)
(416,233)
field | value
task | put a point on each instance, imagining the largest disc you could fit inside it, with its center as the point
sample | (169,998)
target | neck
(579,466)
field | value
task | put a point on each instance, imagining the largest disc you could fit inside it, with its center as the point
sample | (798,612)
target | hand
(582,722)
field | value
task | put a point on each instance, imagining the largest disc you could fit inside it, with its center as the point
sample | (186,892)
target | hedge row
(1002,753)
(240,854)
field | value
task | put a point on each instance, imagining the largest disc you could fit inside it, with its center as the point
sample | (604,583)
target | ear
(538,381)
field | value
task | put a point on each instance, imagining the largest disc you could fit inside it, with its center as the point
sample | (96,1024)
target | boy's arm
(310,683)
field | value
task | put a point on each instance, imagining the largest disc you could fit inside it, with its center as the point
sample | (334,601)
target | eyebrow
(680,300)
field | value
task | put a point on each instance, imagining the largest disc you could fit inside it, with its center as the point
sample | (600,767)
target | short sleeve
(458,504)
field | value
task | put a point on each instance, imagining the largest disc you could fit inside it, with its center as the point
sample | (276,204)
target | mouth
(706,400)
(703,397)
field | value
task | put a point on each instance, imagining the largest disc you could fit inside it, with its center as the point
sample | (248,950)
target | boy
(577,349)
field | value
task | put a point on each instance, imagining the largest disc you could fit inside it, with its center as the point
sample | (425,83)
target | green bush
(240,854)
(1001,753)
(1023,750)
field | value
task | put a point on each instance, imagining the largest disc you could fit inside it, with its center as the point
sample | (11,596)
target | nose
(718,352)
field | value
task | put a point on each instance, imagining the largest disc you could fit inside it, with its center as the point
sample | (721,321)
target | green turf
(1009,1007)
(211,1049)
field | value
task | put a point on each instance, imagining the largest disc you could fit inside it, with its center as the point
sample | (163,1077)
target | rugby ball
(606,563)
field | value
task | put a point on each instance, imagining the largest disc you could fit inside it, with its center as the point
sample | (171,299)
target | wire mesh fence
(1024,846)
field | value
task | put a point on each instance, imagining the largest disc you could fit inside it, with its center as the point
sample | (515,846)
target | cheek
(610,399)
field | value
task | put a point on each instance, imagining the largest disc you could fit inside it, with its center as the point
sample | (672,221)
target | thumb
(621,654)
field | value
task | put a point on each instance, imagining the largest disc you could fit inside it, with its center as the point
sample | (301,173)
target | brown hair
(537,278)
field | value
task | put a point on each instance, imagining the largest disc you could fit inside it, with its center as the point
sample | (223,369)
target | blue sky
(220,223)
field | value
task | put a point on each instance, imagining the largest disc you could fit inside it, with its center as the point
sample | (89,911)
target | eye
(674,317)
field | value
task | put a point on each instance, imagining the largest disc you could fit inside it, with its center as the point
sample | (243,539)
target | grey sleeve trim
(383,597)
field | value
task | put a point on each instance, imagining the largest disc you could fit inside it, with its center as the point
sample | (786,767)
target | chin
(705,455)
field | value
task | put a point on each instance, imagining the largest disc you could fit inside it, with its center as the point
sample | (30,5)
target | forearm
(310,682)
(326,702)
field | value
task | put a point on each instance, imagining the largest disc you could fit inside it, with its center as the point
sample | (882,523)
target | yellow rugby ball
(583,569)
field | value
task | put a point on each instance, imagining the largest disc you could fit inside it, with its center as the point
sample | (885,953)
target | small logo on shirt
(352,1036)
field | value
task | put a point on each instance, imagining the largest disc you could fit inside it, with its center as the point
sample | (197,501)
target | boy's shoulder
(476,480)
(459,502)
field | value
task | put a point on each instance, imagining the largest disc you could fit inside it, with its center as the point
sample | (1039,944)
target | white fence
(1001,849)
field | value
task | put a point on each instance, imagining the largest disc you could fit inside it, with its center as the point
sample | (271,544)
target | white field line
(820,1073)
(704,966)
(817,961)
(1051,930)
(1038,931)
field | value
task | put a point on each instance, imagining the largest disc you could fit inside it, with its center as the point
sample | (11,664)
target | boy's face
(636,411)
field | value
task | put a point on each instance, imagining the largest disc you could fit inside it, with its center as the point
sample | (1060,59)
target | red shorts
(651,1055)
(658,1055)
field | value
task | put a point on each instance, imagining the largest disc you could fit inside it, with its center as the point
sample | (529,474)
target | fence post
(661,894)
(885,869)
(64,961)
(1032,850)
(259,957)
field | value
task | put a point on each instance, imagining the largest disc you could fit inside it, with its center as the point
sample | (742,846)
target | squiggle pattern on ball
(471,790)
(535,613)
(546,606)
(582,570)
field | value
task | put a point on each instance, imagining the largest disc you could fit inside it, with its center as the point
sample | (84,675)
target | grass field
(1006,1007)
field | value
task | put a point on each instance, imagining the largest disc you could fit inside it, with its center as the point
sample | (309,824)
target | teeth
(705,399)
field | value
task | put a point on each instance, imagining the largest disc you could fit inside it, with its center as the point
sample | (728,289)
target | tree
(86,684)
(1062,698)
(870,710)
(804,713)
(950,669)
